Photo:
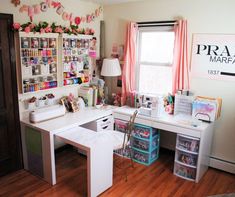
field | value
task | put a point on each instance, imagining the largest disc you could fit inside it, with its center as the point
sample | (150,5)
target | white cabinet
(39,61)
(76,63)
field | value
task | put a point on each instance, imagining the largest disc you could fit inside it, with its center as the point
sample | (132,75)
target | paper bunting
(32,10)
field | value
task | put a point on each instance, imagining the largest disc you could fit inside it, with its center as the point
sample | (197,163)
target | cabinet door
(10,149)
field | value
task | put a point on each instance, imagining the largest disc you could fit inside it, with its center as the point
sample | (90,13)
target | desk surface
(88,114)
(178,120)
(71,120)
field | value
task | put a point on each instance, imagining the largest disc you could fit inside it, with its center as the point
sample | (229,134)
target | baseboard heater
(221,164)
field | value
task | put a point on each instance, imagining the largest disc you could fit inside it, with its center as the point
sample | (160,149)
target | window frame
(165,28)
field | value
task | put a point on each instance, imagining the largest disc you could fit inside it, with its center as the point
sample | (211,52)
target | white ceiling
(106,2)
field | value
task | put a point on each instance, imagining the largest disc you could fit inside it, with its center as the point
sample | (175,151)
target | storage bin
(144,132)
(144,145)
(187,143)
(120,125)
(145,158)
(185,171)
(186,158)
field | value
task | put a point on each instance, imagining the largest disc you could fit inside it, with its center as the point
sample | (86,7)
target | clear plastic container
(144,145)
(185,171)
(120,125)
(187,158)
(188,144)
(145,158)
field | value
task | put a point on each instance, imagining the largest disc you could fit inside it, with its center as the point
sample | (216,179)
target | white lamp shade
(111,67)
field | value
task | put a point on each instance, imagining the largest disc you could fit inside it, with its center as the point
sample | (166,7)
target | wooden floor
(155,180)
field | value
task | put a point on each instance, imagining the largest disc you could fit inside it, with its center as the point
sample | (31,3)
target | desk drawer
(105,123)
(145,145)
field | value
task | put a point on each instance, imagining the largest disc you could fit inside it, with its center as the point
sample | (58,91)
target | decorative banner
(213,56)
(60,10)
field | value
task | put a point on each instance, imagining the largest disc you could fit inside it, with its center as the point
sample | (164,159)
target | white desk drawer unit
(105,123)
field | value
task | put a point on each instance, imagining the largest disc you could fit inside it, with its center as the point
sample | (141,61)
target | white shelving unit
(39,61)
(76,63)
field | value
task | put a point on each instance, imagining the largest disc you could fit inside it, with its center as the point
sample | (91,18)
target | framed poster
(213,56)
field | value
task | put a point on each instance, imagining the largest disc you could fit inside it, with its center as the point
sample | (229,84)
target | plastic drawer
(143,144)
(188,143)
(186,158)
(145,158)
(144,132)
(120,125)
(185,172)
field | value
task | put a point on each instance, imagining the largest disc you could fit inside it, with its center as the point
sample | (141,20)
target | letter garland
(32,10)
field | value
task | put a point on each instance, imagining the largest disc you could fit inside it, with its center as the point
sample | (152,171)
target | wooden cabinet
(39,61)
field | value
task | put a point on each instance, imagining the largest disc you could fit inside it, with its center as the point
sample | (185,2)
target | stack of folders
(206,108)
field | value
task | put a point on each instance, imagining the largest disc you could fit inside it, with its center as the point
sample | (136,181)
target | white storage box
(105,123)
(46,113)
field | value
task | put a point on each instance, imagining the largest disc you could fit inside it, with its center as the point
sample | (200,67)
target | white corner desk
(38,143)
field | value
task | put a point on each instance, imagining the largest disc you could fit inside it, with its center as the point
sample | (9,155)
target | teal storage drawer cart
(145,142)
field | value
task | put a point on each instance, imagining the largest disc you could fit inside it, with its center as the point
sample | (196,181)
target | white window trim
(139,33)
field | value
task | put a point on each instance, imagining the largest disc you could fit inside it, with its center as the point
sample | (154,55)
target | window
(155,55)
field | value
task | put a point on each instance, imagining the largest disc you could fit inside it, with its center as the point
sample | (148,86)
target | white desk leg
(48,158)
(99,168)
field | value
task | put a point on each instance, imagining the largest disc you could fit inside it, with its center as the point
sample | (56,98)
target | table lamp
(110,68)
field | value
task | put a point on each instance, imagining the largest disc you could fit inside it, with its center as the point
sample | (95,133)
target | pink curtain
(128,74)
(180,78)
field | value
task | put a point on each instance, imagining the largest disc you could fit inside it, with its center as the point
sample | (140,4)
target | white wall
(78,8)
(210,16)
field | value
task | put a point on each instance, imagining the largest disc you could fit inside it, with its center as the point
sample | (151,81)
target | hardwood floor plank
(154,180)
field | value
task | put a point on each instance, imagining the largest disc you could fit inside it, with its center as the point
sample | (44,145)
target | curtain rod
(156,23)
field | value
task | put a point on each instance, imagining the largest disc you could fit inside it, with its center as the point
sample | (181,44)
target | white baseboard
(222,165)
